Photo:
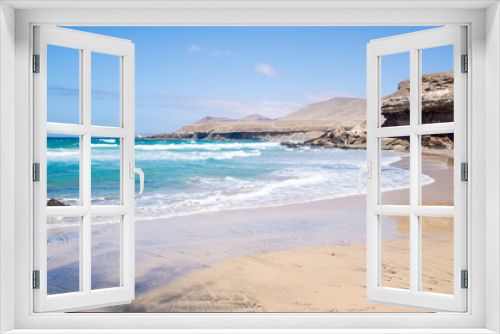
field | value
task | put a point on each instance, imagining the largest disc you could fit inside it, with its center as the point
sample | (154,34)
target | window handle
(139,171)
(368,170)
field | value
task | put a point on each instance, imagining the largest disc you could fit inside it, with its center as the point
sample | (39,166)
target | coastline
(181,265)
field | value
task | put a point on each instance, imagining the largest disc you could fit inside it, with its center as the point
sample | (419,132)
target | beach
(307,257)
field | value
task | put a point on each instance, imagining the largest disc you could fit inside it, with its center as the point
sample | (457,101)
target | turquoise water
(186,177)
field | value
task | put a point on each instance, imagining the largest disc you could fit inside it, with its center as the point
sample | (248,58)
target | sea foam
(185,178)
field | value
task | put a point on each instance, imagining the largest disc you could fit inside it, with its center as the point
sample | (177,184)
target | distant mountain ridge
(342,110)
(217,120)
(338,122)
(308,122)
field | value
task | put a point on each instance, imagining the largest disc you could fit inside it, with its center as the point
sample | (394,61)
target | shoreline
(140,220)
(177,260)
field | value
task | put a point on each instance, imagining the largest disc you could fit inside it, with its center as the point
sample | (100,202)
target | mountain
(254,118)
(437,107)
(217,120)
(309,122)
(213,120)
(338,122)
(345,111)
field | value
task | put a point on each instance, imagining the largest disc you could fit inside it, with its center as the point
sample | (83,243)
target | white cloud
(323,96)
(194,48)
(205,106)
(209,51)
(265,69)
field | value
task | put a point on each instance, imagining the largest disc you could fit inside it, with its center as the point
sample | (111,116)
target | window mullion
(414,171)
(392,131)
(101,131)
(85,174)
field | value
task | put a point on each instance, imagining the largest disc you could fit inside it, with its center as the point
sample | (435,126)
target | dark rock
(290,144)
(398,144)
(56,202)
(438,143)
(342,138)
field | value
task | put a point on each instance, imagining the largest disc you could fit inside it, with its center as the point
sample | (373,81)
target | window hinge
(36,63)
(465,279)
(36,172)
(465,64)
(464,171)
(36,279)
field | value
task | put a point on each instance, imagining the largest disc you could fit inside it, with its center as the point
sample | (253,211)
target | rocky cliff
(339,122)
(437,107)
(309,122)
(437,101)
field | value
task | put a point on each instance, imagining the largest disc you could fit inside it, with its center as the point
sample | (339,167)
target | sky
(186,73)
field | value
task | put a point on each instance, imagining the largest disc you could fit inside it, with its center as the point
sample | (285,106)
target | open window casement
(82,294)
(415,294)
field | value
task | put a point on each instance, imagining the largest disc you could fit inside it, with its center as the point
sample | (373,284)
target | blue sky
(186,73)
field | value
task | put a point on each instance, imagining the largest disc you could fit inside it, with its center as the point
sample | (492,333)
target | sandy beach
(307,257)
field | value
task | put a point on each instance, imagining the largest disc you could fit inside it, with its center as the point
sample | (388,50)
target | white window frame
(484,50)
(413,44)
(86,44)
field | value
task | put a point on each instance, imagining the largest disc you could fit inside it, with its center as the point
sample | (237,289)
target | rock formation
(56,202)
(437,107)
(309,122)
(339,122)
(437,101)
(340,138)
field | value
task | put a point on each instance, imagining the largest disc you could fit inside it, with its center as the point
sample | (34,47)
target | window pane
(395,89)
(105,90)
(105,171)
(437,254)
(437,169)
(395,251)
(395,171)
(106,238)
(437,84)
(63,255)
(63,170)
(63,85)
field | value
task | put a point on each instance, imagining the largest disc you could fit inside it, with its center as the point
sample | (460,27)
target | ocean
(189,177)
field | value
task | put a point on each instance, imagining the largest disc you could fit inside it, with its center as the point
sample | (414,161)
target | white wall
(7,160)
(492,163)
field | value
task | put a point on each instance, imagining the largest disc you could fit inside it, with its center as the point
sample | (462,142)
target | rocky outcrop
(437,101)
(437,107)
(306,123)
(339,122)
(443,142)
(299,133)
(340,138)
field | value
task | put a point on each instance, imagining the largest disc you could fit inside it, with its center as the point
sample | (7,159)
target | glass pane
(106,237)
(395,252)
(63,255)
(437,169)
(437,84)
(395,89)
(105,171)
(63,85)
(105,90)
(437,254)
(63,170)
(395,171)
